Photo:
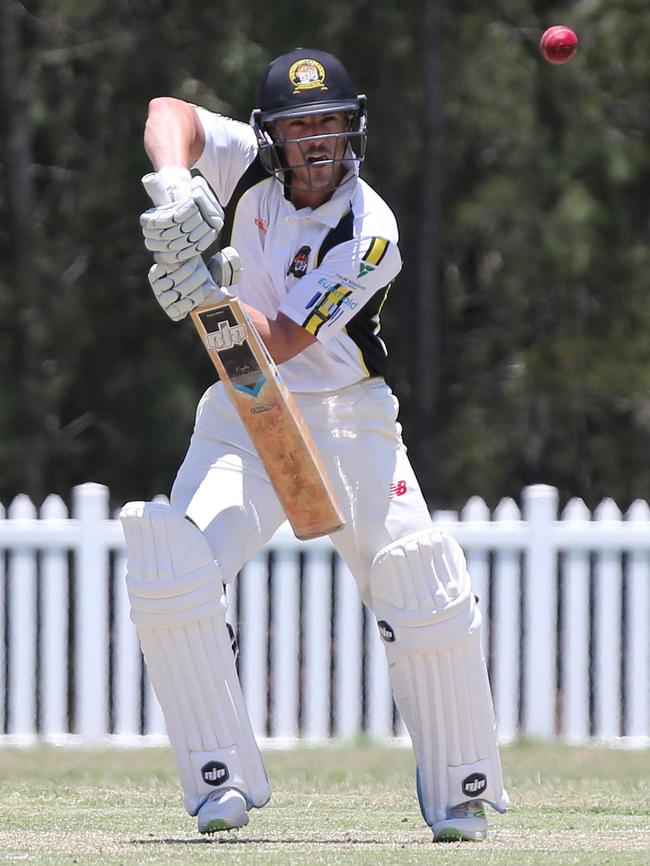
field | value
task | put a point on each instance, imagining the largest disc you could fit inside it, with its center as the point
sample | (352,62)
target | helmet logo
(307,74)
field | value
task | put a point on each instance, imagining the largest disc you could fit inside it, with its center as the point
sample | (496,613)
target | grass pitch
(353,804)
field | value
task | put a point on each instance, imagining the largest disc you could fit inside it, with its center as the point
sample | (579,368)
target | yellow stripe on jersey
(326,309)
(385,298)
(376,251)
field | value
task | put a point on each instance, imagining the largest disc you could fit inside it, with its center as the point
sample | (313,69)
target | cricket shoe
(222,810)
(465,822)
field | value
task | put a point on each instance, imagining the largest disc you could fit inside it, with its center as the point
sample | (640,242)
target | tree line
(519,325)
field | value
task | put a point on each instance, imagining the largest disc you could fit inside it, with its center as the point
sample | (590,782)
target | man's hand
(190,220)
(179,287)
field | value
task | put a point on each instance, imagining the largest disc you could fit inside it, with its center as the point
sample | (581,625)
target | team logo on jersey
(306,75)
(364,269)
(300,263)
(262,225)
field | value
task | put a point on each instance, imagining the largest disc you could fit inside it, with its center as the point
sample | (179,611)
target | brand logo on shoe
(474,785)
(386,631)
(214,773)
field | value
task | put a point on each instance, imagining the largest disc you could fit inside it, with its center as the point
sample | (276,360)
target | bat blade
(271,418)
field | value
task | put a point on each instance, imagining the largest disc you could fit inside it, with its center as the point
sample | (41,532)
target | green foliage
(531,263)
(545,261)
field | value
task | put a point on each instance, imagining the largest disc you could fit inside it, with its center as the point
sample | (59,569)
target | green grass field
(333,805)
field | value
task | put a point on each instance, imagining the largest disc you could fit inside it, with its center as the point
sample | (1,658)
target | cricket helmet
(306,81)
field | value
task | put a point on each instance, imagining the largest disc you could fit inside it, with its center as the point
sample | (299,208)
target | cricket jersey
(329,269)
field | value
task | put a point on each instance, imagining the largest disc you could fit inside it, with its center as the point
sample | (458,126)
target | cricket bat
(271,418)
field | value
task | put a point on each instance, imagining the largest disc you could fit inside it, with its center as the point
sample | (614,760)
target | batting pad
(429,622)
(179,608)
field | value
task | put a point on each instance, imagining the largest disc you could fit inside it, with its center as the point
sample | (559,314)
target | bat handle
(155,189)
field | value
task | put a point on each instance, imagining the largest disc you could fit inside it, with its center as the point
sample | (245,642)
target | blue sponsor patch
(313,300)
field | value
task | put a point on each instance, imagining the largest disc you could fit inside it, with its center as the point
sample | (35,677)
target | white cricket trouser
(224,490)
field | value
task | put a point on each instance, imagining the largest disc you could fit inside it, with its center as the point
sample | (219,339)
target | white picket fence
(566,605)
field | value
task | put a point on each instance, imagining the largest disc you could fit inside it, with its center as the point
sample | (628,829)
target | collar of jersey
(332,210)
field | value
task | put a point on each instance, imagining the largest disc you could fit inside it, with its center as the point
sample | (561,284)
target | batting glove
(179,287)
(185,226)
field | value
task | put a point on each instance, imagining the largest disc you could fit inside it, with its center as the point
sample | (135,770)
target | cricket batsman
(319,249)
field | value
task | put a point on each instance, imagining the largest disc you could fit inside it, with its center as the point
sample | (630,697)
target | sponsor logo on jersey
(307,74)
(300,263)
(313,300)
(474,785)
(348,281)
(214,773)
(262,225)
(364,269)
(334,316)
(337,297)
(330,307)
(386,631)
(397,489)
(333,298)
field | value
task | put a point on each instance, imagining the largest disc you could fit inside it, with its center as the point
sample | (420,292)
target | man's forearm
(172,134)
(282,337)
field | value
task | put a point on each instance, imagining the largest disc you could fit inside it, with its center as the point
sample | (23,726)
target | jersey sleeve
(325,300)
(230,147)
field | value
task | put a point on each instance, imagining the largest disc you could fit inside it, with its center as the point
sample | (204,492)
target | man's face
(309,157)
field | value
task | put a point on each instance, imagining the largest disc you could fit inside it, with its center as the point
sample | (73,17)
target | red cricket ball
(558,44)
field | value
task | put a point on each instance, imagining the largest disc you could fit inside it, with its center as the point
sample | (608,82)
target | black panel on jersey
(254,174)
(361,327)
(361,330)
(342,231)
